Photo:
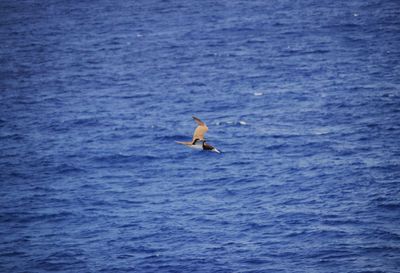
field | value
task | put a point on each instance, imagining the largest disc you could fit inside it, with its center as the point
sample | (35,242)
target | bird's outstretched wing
(200,130)
(198,121)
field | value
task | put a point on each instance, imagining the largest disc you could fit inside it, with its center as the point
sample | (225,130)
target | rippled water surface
(302,97)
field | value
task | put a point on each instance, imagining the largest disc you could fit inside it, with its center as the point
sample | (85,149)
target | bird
(198,142)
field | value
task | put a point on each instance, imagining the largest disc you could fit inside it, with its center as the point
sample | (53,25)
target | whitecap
(258,93)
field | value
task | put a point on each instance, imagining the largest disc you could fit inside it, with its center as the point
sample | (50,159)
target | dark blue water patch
(20,218)
(68,169)
(389,206)
(59,263)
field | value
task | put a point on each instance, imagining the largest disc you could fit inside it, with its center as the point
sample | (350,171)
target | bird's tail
(184,142)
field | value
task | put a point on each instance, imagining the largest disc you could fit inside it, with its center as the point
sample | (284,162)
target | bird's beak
(216,151)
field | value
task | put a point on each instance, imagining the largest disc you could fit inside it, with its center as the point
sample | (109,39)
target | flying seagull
(198,141)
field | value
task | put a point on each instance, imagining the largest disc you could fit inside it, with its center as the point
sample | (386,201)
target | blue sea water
(302,97)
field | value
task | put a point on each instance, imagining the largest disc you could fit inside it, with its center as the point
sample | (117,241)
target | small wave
(60,263)
(86,121)
(321,131)
(341,26)
(257,226)
(283,135)
(253,41)
(135,96)
(54,217)
(12,136)
(66,168)
(121,158)
(317,51)
(53,100)
(140,249)
(131,202)
(329,254)
(13,254)
(276,146)
(26,102)
(339,222)
(232,123)
(380,249)
(24,218)
(256,261)
(195,84)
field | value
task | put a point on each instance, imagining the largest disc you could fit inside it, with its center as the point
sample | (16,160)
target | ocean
(302,98)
